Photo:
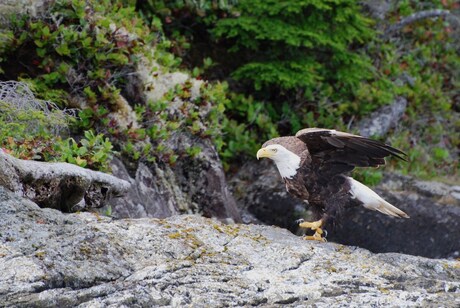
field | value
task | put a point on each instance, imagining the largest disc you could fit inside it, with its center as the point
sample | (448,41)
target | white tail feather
(372,201)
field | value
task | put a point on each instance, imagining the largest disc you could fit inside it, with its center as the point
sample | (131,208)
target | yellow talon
(316,226)
(316,237)
(312,225)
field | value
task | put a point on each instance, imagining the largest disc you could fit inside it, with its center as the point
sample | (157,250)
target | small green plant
(368,176)
(93,151)
(246,124)
(193,151)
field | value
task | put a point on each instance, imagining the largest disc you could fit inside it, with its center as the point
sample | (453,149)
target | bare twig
(416,17)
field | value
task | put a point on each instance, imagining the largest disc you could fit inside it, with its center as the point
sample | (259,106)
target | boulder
(202,178)
(191,186)
(153,193)
(48,258)
(62,186)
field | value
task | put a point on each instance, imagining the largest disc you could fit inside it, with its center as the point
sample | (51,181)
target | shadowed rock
(433,229)
(53,259)
(193,185)
(61,186)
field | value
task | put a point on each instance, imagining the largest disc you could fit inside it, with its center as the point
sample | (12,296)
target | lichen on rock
(189,260)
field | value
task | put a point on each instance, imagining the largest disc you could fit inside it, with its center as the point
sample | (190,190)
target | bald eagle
(314,163)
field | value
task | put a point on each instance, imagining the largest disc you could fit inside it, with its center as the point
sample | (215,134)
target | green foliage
(299,44)
(82,50)
(298,56)
(21,123)
(321,63)
(6,39)
(207,9)
(193,151)
(199,116)
(85,49)
(245,127)
(369,176)
(93,151)
(32,129)
(28,126)
(425,70)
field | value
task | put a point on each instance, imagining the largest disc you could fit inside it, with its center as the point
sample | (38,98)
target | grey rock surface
(192,186)
(434,210)
(383,119)
(50,259)
(152,193)
(62,186)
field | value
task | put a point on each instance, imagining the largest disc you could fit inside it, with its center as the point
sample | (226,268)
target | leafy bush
(28,126)
(93,151)
(32,129)
(299,44)
(82,54)
(299,58)
(81,50)
(199,116)
(425,68)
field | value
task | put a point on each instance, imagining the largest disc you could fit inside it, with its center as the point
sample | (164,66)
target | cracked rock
(48,258)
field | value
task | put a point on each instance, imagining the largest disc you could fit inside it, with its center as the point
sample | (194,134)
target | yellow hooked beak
(264,153)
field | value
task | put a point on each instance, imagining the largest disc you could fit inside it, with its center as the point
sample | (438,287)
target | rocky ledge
(62,186)
(48,258)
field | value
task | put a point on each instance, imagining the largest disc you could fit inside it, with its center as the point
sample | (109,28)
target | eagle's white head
(286,161)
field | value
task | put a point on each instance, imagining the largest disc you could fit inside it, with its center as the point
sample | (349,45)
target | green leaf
(63,50)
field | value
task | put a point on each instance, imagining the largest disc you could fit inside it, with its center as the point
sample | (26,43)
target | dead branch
(416,17)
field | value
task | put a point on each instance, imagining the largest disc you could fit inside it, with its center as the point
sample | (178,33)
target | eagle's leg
(315,226)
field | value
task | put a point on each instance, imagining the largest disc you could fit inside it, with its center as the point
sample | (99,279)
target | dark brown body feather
(326,157)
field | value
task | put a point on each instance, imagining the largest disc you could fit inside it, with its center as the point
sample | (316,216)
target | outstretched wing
(336,152)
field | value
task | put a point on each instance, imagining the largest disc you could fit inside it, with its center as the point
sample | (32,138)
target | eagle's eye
(274,150)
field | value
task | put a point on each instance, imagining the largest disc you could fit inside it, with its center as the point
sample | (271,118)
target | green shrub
(292,45)
(298,58)
(33,129)
(93,151)
(29,127)
(80,54)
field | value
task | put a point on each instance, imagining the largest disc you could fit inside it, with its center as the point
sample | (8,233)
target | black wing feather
(337,152)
